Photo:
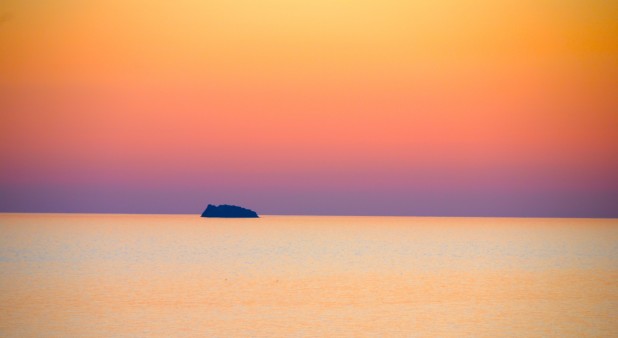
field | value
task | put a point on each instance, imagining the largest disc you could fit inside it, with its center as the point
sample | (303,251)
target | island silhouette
(228,211)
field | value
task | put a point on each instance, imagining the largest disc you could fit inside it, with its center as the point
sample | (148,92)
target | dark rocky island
(228,211)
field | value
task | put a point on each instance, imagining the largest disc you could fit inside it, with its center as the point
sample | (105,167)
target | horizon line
(301,215)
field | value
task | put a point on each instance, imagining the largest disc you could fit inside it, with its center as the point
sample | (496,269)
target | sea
(111,275)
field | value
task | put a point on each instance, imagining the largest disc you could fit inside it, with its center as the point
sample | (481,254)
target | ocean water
(88,275)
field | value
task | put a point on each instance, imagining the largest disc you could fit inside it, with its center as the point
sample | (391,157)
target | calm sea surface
(82,275)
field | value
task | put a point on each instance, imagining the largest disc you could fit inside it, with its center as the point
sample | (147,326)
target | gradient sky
(444,107)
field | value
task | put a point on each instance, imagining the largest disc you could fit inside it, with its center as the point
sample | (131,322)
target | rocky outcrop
(228,211)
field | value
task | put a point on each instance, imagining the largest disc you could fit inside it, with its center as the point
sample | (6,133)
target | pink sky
(322,107)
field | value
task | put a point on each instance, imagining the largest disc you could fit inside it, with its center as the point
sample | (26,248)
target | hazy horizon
(307,215)
(121,204)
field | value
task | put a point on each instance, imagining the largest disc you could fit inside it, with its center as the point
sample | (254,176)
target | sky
(322,107)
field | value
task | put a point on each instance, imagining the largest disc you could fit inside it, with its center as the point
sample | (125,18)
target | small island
(228,211)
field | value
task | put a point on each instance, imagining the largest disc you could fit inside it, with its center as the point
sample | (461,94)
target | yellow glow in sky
(140,40)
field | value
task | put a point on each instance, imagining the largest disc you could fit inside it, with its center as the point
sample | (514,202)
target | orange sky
(334,96)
